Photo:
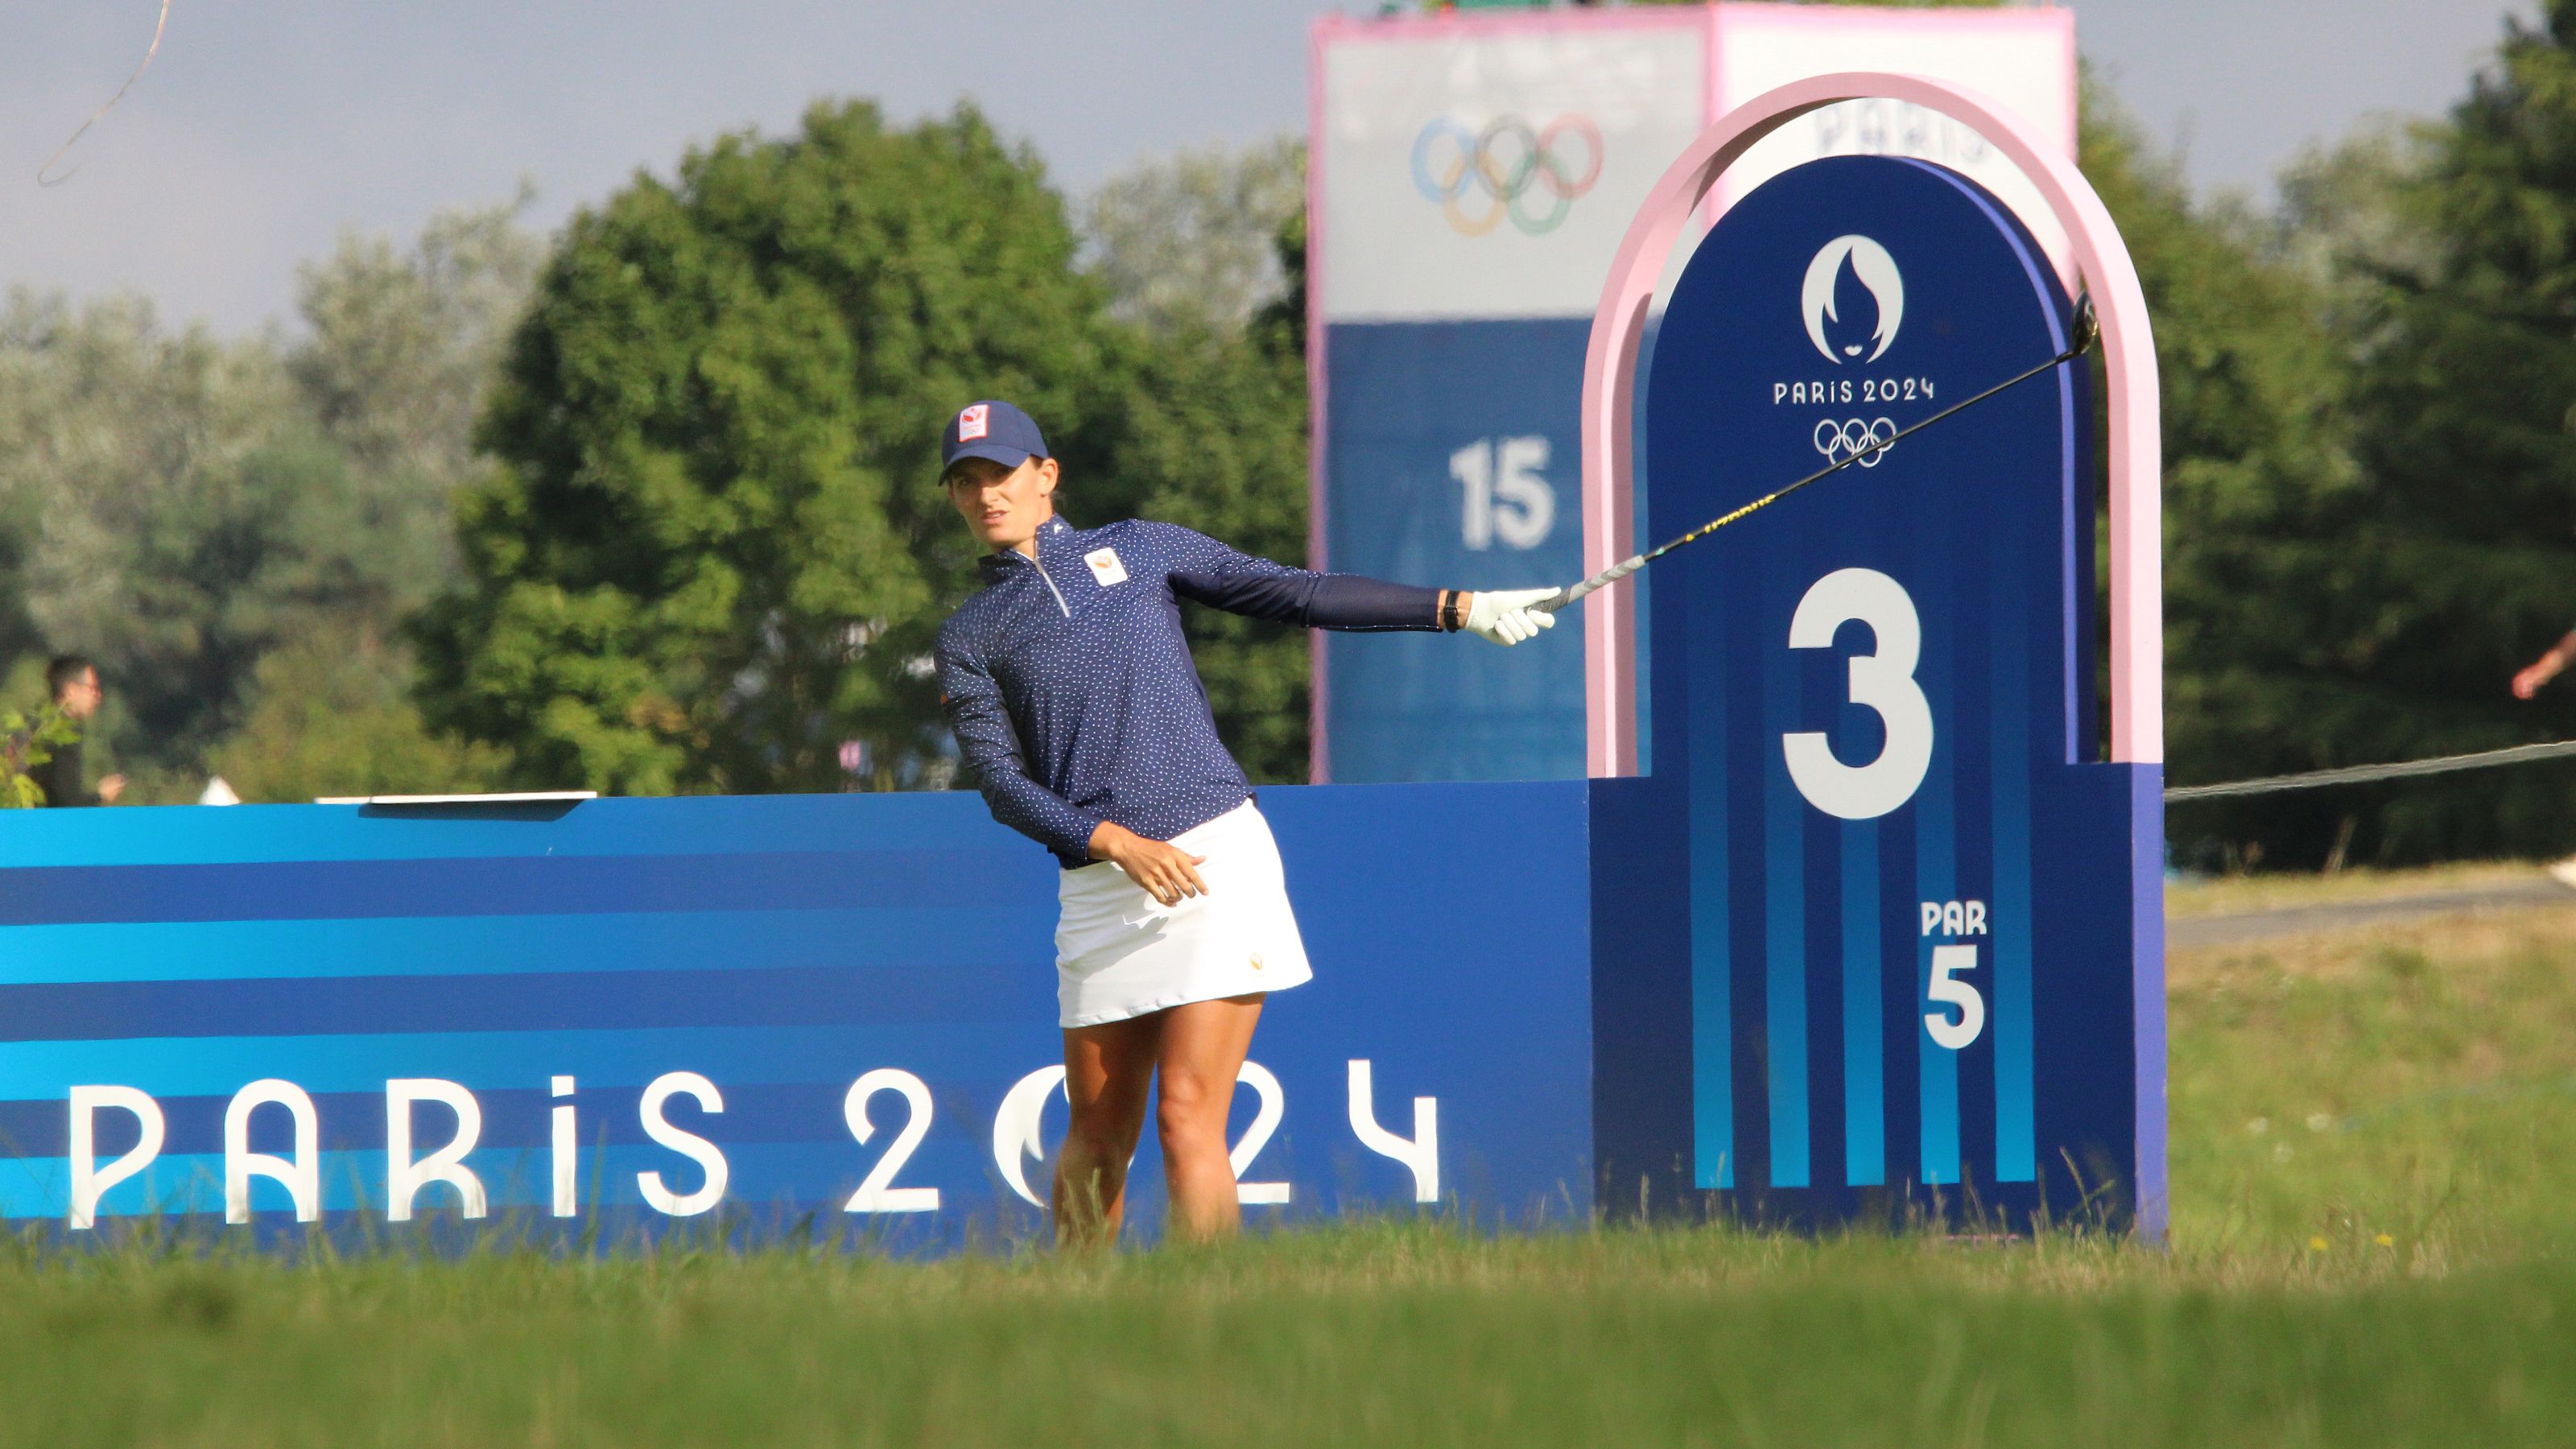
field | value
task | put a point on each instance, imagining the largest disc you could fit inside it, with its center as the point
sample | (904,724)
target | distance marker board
(1913,940)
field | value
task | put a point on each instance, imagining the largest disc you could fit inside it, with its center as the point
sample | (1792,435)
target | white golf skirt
(1120,953)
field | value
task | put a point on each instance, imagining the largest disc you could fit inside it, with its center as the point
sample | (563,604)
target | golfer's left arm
(1211,573)
(989,748)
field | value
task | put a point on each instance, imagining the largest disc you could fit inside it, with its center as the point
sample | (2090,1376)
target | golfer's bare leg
(1107,1071)
(1202,1050)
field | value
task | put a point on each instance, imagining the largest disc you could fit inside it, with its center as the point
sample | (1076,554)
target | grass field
(2232,894)
(2374,1165)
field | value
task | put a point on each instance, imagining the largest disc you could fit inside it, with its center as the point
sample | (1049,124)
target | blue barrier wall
(780,948)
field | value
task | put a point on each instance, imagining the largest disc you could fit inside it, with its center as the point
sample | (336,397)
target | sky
(268,127)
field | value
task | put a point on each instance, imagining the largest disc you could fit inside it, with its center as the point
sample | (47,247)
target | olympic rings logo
(1507,170)
(1870,441)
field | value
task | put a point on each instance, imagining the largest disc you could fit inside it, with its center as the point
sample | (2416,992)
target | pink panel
(1877,20)
(1437,25)
(1319,756)
(1609,400)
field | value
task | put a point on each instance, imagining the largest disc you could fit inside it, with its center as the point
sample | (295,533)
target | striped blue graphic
(2016,1123)
(779,947)
(1936,878)
(892,938)
(1784,927)
(1773,355)
(1712,965)
(623,828)
(1864,1070)
(193,1182)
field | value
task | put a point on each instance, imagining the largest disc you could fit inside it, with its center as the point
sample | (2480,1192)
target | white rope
(2358,774)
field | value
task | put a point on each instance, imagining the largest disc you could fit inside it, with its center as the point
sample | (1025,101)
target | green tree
(2347,219)
(178,506)
(145,477)
(2256,451)
(714,550)
(28,738)
(1192,241)
(2452,563)
(404,346)
(329,715)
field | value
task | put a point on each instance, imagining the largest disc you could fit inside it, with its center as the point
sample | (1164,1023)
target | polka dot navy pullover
(1071,689)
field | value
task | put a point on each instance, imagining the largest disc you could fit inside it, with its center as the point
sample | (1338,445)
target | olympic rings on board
(1504,164)
(1871,439)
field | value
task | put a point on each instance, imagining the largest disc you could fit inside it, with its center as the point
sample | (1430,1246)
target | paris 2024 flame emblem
(1854,299)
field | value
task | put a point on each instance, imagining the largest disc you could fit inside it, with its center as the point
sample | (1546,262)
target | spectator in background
(74,682)
(2547,667)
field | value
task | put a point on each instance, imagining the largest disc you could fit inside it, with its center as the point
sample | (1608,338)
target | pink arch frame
(1610,396)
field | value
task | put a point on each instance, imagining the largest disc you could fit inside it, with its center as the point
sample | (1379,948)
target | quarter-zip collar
(1052,536)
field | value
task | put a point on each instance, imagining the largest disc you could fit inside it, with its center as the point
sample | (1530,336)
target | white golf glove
(1505,615)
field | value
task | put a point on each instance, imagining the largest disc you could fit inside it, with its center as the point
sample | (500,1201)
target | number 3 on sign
(1882,680)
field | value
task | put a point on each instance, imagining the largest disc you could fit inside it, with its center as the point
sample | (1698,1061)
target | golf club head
(2088,328)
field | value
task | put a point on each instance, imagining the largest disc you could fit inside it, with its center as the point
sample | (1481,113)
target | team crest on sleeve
(972,423)
(1106,567)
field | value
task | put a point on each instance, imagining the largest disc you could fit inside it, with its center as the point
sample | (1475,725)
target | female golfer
(1077,708)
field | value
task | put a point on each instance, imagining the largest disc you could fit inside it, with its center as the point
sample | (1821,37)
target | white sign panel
(1488,170)
(2023,58)
(1487,167)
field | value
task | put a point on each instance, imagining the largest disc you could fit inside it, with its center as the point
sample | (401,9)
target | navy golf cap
(994,430)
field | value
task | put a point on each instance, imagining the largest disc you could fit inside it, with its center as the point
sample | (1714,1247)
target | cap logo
(974,422)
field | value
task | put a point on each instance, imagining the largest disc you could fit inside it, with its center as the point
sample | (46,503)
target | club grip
(1555,601)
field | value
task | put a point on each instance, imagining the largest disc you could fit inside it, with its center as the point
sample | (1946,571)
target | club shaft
(1621,570)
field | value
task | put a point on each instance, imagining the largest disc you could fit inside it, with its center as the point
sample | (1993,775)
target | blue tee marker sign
(1911,934)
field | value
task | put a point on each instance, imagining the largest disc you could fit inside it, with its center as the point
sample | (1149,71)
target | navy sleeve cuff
(1350,602)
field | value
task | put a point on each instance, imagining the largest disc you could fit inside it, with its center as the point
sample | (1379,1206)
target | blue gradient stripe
(757,1173)
(1936,878)
(495,886)
(1712,921)
(1864,1068)
(689,825)
(362,1006)
(521,1115)
(866,936)
(220,1066)
(2016,1124)
(1784,929)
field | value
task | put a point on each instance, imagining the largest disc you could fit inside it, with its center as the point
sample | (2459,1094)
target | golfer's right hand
(1166,871)
(1505,616)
